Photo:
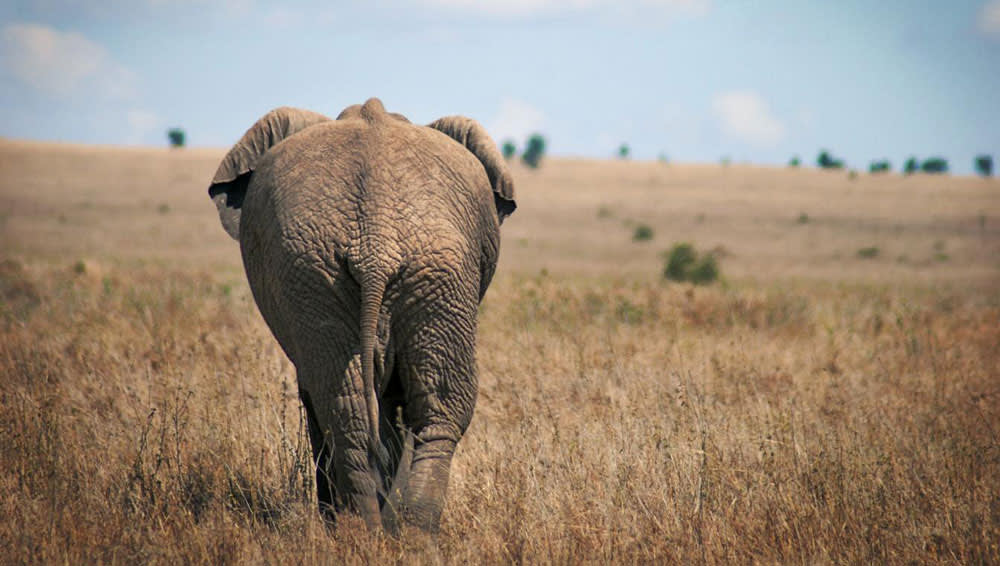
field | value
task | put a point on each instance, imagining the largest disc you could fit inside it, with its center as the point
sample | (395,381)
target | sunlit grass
(147,416)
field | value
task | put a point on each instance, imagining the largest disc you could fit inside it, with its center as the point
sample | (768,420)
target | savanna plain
(833,399)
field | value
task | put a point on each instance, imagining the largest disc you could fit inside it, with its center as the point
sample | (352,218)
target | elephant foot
(427,485)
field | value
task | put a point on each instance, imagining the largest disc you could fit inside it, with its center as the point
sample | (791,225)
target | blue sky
(693,79)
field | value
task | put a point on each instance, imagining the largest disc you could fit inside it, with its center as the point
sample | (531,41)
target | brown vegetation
(814,408)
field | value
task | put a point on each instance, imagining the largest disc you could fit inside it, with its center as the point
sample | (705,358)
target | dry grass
(809,410)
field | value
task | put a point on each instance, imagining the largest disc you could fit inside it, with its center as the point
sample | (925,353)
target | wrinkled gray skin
(368,242)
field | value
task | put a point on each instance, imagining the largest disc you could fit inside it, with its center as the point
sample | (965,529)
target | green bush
(679,261)
(984,165)
(684,264)
(882,166)
(508,149)
(176,137)
(642,233)
(868,253)
(911,166)
(624,151)
(704,271)
(826,161)
(533,151)
(794,161)
(934,165)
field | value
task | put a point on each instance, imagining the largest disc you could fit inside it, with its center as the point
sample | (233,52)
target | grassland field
(816,405)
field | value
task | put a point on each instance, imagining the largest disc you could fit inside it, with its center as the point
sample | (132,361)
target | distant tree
(176,137)
(642,233)
(934,165)
(882,166)
(679,260)
(685,264)
(623,151)
(533,151)
(826,161)
(911,166)
(984,165)
(794,161)
(662,158)
(508,149)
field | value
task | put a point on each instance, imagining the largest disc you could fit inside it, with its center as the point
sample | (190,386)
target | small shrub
(704,271)
(624,151)
(911,166)
(882,166)
(604,212)
(724,161)
(794,161)
(533,151)
(163,208)
(684,264)
(984,165)
(934,165)
(662,158)
(803,218)
(852,174)
(827,161)
(868,253)
(508,149)
(642,233)
(176,136)
(679,261)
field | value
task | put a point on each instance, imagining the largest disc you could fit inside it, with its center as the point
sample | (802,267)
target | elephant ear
(229,186)
(473,136)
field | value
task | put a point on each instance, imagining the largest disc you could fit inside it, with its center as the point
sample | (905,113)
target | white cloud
(62,64)
(522,8)
(515,120)
(989,17)
(745,115)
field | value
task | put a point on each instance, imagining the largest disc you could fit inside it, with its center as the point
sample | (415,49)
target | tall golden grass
(147,416)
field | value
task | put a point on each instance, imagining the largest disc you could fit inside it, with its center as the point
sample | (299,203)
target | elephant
(368,243)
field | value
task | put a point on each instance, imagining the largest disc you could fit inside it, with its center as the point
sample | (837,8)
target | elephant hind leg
(438,366)
(322,452)
(333,382)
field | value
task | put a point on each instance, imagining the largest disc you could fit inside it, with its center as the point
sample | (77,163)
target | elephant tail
(372,291)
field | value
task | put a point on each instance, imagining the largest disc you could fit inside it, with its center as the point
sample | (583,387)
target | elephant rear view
(368,243)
